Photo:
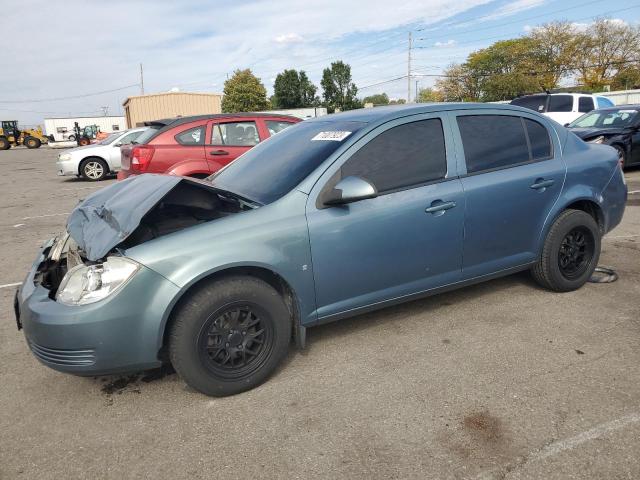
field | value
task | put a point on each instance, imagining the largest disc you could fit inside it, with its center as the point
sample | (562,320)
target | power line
(42,100)
(514,21)
(502,35)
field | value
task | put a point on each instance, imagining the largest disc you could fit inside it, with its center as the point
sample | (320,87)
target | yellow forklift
(12,136)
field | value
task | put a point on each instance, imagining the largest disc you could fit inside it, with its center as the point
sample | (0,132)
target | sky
(80,48)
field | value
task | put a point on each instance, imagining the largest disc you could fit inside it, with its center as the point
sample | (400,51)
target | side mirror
(350,189)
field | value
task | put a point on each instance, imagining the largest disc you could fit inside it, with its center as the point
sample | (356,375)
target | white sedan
(96,161)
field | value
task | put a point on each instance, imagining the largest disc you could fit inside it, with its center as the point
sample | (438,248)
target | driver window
(404,156)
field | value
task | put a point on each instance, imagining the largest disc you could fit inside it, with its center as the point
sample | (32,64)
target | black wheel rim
(576,252)
(236,340)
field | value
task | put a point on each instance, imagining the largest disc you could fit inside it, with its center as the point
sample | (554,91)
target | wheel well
(592,209)
(90,158)
(264,274)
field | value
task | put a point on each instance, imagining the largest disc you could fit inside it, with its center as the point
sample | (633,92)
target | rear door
(563,108)
(180,145)
(514,175)
(228,139)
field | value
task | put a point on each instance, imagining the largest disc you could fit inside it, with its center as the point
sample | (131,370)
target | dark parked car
(333,217)
(198,146)
(616,126)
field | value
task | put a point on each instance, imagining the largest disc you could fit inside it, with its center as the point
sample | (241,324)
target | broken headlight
(85,284)
(599,139)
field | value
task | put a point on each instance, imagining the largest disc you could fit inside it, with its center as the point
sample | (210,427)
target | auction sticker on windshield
(335,136)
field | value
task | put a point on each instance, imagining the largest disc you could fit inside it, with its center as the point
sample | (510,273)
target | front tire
(94,169)
(32,142)
(570,253)
(4,143)
(230,335)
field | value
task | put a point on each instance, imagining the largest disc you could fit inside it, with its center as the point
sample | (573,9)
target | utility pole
(409,71)
(105,111)
(416,97)
(141,81)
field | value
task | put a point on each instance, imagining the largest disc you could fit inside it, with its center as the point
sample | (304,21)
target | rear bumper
(122,174)
(614,200)
(122,333)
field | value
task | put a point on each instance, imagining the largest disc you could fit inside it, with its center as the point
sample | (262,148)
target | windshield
(110,138)
(275,166)
(605,119)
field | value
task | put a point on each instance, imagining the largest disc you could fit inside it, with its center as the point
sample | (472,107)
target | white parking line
(596,432)
(633,192)
(44,216)
(620,236)
(9,285)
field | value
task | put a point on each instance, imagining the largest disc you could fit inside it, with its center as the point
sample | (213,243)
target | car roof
(173,122)
(370,115)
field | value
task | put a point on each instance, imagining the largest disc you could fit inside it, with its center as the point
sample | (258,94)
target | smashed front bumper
(120,333)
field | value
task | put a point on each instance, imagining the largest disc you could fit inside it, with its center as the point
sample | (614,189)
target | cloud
(193,44)
(448,43)
(288,38)
(512,8)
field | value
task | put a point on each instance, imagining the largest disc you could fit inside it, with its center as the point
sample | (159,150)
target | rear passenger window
(492,141)
(193,136)
(403,156)
(560,103)
(538,139)
(585,104)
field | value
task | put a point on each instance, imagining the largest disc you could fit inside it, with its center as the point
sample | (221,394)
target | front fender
(273,237)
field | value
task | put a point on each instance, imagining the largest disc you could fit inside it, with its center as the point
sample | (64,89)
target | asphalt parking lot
(500,380)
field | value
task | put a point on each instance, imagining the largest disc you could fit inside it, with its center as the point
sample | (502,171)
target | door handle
(542,184)
(439,206)
(218,152)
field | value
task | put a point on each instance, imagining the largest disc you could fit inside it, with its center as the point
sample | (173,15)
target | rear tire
(32,142)
(94,169)
(570,253)
(84,141)
(4,143)
(230,335)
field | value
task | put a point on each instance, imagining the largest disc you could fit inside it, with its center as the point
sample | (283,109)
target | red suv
(198,146)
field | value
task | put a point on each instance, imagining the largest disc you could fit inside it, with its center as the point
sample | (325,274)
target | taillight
(141,156)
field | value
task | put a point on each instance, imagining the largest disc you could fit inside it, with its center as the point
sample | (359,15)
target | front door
(514,176)
(406,240)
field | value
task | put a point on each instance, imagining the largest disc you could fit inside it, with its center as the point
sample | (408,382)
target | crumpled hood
(110,215)
(595,132)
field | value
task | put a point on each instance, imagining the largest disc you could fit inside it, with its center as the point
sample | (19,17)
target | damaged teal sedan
(330,218)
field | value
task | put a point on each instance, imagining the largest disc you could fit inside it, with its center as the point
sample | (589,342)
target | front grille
(56,356)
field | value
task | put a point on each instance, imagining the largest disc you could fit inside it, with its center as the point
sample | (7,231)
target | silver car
(94,162)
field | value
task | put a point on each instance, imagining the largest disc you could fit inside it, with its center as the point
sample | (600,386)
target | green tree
(397,101)
(627,78)
(606,46)
(293,90)
(338,91)
(428,95)
(244,92)
(459,84)
(377,99)
(506,69)
(555,47)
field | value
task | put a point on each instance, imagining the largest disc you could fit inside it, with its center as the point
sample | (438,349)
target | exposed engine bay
(185,205)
